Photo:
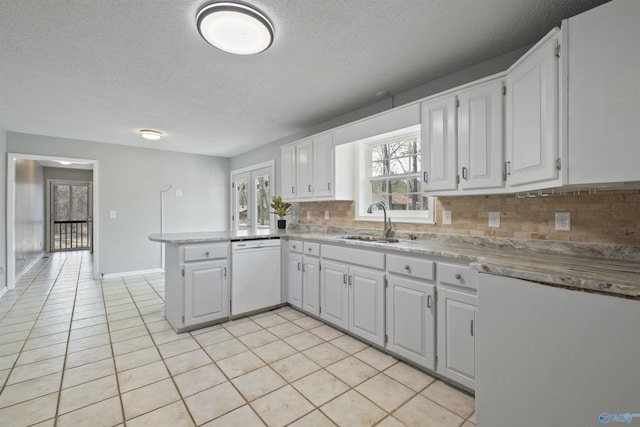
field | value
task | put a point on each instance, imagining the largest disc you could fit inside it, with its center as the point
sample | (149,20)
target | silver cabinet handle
(428,301)
(225,271)
(309,188)
(350,280)
(471,331)
(293,189)
(344,278)
(329,186)
(425,176)
(458,276)
(299,268)
(303,268)
(464,173)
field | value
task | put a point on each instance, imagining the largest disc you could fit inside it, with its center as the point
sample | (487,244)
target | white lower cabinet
(196,285)
(456,336)
(294,282)
(457,309)
(303,284)
(311,285)
(352,297)
(411,320)
(411,309)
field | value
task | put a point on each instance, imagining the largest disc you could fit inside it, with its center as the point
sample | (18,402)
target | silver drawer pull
(207,253)
(458,276)
(407,267)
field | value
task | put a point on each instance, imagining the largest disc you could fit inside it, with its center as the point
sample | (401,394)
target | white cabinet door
(323,184)
(532,116)
(206,292)
(480,136)
(366,304)
(334,293)
(288,172)
(604,94)
(411,323)
(311,285)
(456,336)
(304,167)
(294,285)
(438,127)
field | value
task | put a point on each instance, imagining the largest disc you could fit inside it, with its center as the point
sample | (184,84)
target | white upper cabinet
(313,169)
(304,167)
(323,166)
(532,134)
(438,127)
(480,136)
(604,94)
(288,171)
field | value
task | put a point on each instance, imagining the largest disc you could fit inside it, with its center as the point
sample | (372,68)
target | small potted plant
(281,209)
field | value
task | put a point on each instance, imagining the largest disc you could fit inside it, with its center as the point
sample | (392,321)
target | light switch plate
(494,219)
(446,217)
(326,214)
(308,214)
(563,221)
(112,214)
(178,193)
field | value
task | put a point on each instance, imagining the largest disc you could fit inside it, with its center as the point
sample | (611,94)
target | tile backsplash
(605,217)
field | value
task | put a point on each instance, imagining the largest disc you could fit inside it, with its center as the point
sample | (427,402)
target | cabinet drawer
(312,248)
(413,267)
(295,246)
(354,256)
(457,275)
(206,251)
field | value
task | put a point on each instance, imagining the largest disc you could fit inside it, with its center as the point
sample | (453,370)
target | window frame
(363,182)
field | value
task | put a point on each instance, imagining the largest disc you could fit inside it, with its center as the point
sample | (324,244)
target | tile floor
(79,352)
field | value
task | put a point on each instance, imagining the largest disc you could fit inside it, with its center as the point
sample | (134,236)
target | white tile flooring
(79,352)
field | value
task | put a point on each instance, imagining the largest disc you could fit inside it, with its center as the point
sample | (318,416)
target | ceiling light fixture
(64,162)
(152,135)
(235,28)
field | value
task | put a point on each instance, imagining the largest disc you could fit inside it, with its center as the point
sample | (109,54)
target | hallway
(78,352)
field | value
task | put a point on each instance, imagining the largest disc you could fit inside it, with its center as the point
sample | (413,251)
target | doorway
(70,219)
(12,159)
(251,192)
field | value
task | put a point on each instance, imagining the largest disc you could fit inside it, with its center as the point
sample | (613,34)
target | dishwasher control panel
(253,244)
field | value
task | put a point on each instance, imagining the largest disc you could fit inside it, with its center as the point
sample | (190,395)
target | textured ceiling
(102,69)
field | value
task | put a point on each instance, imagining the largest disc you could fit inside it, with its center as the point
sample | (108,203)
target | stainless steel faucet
(387,231)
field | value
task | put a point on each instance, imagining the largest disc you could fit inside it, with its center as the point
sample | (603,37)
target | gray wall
(60,174)
(29,214)
(129,182)
(3,209)
(475,72)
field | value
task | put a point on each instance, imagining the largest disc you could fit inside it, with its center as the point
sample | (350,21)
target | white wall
(3,209)
(29,218)
(129,183)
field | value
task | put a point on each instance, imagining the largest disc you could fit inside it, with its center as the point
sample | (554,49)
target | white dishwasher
(255,275)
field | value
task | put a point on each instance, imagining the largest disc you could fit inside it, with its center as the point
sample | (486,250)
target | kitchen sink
(373,239)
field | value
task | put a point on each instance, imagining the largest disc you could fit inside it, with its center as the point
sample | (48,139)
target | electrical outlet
(178,193)
(326,214)
(308,214)
(446,217)
(112,214)
(563,221)
(494,219)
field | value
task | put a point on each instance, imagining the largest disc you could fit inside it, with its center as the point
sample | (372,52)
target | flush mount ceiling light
(152,135)
(235,28)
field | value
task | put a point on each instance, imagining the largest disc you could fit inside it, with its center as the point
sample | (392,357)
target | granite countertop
(611,269)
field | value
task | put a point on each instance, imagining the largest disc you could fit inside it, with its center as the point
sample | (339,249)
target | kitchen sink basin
(373,239)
